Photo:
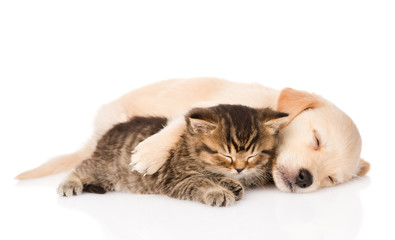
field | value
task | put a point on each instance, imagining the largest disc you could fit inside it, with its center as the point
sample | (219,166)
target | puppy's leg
(106,117)
(152,153)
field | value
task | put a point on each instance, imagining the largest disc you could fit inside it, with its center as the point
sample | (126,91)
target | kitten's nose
(304,179)
(239,170)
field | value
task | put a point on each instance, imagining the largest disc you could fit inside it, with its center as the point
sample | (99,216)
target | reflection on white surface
(333,213)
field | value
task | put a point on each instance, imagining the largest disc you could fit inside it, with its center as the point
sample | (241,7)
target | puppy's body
(338,152)
(170,99)
(225,149)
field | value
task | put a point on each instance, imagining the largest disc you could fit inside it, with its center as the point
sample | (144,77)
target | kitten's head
(236,141)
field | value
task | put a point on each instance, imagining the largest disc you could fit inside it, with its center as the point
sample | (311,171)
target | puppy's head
(320,147)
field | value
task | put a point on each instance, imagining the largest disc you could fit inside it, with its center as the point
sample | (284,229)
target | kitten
(223,150)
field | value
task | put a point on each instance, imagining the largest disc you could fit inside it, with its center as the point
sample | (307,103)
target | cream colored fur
(169,98)
(172,98)
(338,154)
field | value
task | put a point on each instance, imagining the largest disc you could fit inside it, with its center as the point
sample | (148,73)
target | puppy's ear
(201,121)
(363,168)
(294,102)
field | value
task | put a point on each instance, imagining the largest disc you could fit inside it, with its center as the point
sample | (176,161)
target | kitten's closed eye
(209,150)
(228,157)
(251,157)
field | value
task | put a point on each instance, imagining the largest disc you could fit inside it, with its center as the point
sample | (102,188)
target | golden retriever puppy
(320,146)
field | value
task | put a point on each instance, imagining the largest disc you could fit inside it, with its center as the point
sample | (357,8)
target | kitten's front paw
(219,197)
(149,155)
(234,186)
(70,188)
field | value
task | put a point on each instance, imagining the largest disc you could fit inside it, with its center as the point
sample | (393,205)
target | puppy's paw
(70,188)
(235,186)
(219,197)
(149,155)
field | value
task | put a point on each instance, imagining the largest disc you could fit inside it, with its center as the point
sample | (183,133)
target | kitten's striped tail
(58,164)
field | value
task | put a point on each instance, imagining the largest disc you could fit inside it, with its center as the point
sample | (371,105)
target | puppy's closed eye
(332,179)
(317,142)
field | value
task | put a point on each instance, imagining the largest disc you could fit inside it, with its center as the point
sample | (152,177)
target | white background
(60,60)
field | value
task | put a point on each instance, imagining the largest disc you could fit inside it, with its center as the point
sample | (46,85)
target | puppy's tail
(58,164)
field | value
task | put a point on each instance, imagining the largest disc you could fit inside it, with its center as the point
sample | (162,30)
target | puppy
(320,147)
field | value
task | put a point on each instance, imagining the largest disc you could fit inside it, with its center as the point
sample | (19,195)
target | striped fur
(225,149)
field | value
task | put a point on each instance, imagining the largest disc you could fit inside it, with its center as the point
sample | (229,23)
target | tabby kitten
(224,149)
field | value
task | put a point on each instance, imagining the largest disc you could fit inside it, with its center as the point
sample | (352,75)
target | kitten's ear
(201,121)
(276,124)
(274,120)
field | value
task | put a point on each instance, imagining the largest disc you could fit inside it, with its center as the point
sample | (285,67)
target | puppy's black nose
(304,179)
(239,170)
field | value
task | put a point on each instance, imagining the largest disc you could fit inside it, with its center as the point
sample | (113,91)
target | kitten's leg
(71,186)
(203,190)
(235,186)
(218,197)
(83,179)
